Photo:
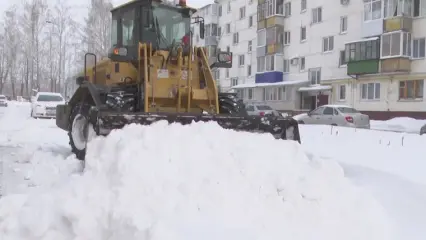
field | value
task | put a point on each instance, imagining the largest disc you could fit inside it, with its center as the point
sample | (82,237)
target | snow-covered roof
(315,88)
(363,40)
(255,85)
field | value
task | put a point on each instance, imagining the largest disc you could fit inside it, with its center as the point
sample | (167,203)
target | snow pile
(174,182)
(399,124)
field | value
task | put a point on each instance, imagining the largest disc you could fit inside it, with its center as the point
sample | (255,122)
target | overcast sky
(80,5)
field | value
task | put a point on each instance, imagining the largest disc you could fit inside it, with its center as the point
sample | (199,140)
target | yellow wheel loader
(152,73)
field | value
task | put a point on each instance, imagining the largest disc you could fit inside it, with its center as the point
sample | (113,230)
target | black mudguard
(63,112)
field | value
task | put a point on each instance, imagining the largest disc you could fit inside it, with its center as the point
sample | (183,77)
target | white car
(43,105)
(3,101)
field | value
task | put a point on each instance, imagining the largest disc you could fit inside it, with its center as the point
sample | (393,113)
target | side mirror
(202,29)
(224,60)
(309,113)
(79,80)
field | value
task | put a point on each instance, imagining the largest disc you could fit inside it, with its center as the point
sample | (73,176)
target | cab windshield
(173,25)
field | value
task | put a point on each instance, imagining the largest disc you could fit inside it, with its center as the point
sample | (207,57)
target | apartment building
(299,54)
(230,26)
(386,64)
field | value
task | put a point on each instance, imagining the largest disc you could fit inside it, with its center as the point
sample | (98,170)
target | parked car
(43,104)
(260,109)
(337,115)
(423,130)
(3,101)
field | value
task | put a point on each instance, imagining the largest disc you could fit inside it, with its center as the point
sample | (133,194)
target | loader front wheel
(80,130)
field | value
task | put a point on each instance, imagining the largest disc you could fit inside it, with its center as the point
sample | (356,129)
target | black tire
(79,109)
(230,104)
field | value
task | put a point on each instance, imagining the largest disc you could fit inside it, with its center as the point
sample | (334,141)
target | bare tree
(12,38)
(97,32)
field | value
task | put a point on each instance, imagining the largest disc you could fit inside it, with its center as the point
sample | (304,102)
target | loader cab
(150,22)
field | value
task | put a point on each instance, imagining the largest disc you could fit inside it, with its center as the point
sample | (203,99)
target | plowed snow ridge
(174,182)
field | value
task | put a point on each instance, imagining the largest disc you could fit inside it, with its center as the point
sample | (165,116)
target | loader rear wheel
(80,130)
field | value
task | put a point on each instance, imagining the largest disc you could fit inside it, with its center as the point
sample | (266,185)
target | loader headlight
(120,51)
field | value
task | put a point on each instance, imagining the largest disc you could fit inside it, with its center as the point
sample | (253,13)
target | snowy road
(35,156)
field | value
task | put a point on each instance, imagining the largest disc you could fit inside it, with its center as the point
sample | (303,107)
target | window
(364,50)
(212,50)
(372,10)
(419,48)
(270,63)
(250,94)
(416,8)
(227,73)
(228,49)
(128,24)
(219,31)
(241,60)
(240,93)
(219,10)
(396,44)
(287,9)
(261,64)
(315,76)
(261,38)
(303,34)
(242,12)
(235,38)
(261,10)
(280,7)
(328,44)
(342,58)
(213,30)
(214,9)
(342,92)
(234,82)
(229,7)
(343,24)
(412,89)
(275,94)
(317,15)
(303,5)
(302,64)
(49,98)
(286,67)
(392,8)
(287,38)
(270,8)
(248,70)
(250,45)
(251,21)
(328,111)
(370,91)
(228,28)
(271,35)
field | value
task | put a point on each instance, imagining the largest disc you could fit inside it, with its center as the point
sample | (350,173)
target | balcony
(400,64)
(270,41)
(270,13)
(362,56)
(395,52)
(397,23)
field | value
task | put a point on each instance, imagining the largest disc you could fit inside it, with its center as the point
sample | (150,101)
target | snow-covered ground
(399,124)
(204,182)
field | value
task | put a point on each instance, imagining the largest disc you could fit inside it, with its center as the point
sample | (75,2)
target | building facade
(298,54)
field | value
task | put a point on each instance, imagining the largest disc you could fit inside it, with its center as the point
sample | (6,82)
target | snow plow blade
(279,127)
